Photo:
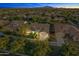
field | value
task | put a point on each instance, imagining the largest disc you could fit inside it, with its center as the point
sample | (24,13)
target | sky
(33,5)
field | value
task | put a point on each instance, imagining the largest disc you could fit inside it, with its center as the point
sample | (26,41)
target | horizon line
(37,5)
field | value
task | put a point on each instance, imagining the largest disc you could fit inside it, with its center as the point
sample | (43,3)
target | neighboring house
(62,29)
(13,25)
(58,18)
(3,23)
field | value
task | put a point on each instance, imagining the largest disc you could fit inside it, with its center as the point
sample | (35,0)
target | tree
(70,48)
(4,43)
(17,46)
(23,29)
(37,48)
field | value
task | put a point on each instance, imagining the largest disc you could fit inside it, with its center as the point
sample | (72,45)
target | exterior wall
(59,34)
(43,36)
